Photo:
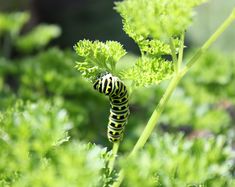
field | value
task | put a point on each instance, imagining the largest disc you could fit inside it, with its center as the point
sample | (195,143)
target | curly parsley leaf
(97,57)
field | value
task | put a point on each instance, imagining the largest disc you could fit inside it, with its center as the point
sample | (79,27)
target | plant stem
(113,157)
(119,179)
(173,84)
(173,53)
(156,114)
(181,52)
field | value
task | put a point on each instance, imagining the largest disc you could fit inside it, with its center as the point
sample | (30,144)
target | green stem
(156,114)
(173,84)
(181,52)
(113,156)
(119,179)
(173,53)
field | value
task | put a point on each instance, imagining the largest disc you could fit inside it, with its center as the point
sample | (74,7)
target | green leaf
(97,57)
(148,71)
(39,37)
(13,22)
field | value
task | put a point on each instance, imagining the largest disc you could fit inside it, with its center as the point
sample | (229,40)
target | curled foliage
(175,161)
(154,47)
(157,19)
(97,57)
(34,153)
(149,71)
(76,164)
(26,136)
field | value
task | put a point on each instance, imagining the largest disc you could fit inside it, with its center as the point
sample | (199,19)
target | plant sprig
(156,19)
(147,71)
(97,57)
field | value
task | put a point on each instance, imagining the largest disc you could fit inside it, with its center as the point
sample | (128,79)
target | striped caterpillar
(119,112)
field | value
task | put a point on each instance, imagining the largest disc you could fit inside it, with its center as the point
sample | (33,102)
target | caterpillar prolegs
(119,112)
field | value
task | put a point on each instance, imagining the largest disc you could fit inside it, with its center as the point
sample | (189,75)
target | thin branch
(181,52)
(173,53)
(113,156)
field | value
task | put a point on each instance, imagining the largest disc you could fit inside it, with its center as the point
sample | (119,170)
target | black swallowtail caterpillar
(116,90)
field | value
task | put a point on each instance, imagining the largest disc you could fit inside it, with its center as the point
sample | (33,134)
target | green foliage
(74,165)
(156,30)
(152,39)
(175,161)
(157,19)
(39,37)
(26,136)
(157,48)
(214,119)
(201,99)
(216,69)
(97,57)
(11,25)
(50,69)
(33,150)
(148,71)
(6,67)
(12,22)
(210,77)
(197,116)
(179,105)
(49,75)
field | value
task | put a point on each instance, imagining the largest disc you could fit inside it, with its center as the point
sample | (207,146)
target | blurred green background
(44,101)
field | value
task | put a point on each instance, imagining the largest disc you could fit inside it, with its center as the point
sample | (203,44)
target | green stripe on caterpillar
(119,112)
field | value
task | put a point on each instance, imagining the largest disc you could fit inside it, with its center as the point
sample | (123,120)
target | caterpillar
(119,112)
